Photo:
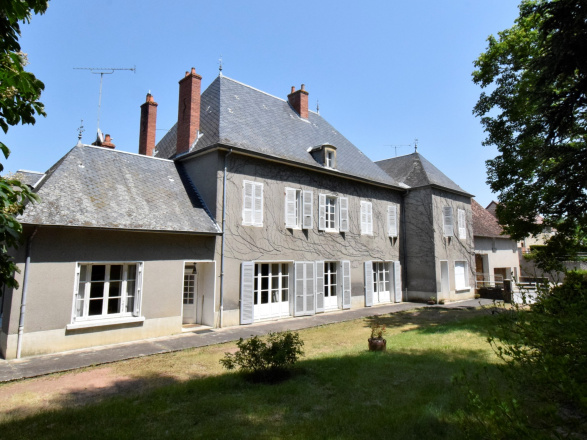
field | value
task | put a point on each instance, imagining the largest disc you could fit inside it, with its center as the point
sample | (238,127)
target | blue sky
(384,72)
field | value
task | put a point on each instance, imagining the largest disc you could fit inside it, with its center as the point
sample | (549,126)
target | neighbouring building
(250,208)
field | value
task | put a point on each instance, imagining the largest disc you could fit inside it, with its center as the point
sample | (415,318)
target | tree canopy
(534,110)
(19,103)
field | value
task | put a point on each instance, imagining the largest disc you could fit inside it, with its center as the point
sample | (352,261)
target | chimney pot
(293,89)
(299,101)
(304,87)
(108,142)
(188,114)
(148,126)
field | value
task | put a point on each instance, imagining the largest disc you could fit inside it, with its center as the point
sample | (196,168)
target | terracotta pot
(376,344)
(431,302)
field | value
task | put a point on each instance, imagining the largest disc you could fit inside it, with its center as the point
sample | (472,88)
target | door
(381,283)
(190,293)
(330,286)
(271,290)
(444,286)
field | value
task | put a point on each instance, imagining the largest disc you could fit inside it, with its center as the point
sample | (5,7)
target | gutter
(403,242)
(27,265)
(223,237)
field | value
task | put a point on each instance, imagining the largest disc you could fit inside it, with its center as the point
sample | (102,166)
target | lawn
(339,390)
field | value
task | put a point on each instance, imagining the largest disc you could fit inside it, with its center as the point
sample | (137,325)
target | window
(298,209)
(333,213)
(461,276)
(380,277)
(392,220)
(189,288)
(366,218)
(252,203)
(107,291)
(271,285)
(329,162)
(462,224)
(447,221)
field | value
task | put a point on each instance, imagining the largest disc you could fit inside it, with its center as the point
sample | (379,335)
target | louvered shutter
(369,218)
(310,282)
(448,223)
(322,212)
(363,218)
(344,214)
(346,284)
(258,207)
(78,296)
(319,286)
(247,292)
(392,220)
(397,281)
(290,208)
(139,293)
(368,283)
(308,208)
(299,288)
(248,192)
(462,225)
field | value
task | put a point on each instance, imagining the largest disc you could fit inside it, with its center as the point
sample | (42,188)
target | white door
(271,290)
(330,286)
(381,283)
(190,294)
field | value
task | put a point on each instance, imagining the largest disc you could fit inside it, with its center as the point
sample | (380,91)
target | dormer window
(329,158)
(325,155)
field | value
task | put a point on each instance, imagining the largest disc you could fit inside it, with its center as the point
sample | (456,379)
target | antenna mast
(104,71)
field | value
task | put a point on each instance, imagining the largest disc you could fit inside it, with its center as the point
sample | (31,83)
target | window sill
(104,322)
(468,289)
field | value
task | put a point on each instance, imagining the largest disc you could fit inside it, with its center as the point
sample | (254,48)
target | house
(252,207)
(438,229)
(496,254)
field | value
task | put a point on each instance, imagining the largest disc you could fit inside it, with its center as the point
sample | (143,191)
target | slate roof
(104,188)
(31,178)
(415,171)
(234,114)
(484,223)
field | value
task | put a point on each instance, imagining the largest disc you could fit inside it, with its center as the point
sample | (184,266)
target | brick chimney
(188,114)
(108,142)
(148,126)
(299,101)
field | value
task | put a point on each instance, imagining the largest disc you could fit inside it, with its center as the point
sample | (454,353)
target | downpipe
(27,265)
(223,238)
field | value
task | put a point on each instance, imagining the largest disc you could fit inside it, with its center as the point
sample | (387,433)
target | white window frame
(84,319)
(329,158)
(340,214)
(466,286)
(298,209)
(462,224)
(447,221)
(253,203)
(366,218)
(392,223)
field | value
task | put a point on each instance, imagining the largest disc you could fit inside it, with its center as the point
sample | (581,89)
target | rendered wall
(500,252)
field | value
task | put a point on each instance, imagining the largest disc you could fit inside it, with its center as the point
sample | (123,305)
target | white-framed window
(252,203)
(462,224)
(366,218)
(333,213)
(392,221)
(330,285)
(329,158)
(447,221)
(107,290)
(461,275)
(271,285)
(298,209)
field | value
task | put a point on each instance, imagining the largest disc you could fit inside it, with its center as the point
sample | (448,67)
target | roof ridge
(127,152)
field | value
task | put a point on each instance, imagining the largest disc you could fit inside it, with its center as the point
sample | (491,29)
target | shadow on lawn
(436,320)
(368,395)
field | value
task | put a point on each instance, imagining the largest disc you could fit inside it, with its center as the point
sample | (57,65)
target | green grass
(338,391)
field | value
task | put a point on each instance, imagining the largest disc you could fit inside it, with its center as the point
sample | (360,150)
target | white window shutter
(139,292)
(319,286)
(369,218)
(462,225)
(247,286)
(368,283)
(78,297)
(363,217)
(258,207)
(299,293)
(310,287)
(290,208)
(346,284)
(392,220)
(247,202)
(322,212)
(447,221)
(366,218)
(307,209)
(397,281)
(344,214)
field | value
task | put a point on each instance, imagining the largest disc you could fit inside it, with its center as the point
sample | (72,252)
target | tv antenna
(398,146)
(104,71)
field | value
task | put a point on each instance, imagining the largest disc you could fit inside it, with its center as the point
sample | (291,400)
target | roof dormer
(325,155)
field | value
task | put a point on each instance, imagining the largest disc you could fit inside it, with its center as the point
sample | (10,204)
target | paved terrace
(53,363)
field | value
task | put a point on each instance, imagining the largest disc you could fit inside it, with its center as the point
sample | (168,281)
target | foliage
(544,349)
(266,360)
(535,113)
(19,103)
(378,330)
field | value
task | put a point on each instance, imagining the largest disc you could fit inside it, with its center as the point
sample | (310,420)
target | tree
(19,103)
(535,112)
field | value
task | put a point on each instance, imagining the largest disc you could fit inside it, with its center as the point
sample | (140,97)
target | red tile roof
(484,223)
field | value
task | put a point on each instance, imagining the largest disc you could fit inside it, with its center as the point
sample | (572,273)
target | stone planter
(376,344)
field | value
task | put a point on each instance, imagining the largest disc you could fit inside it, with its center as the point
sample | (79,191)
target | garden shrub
(266,360)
